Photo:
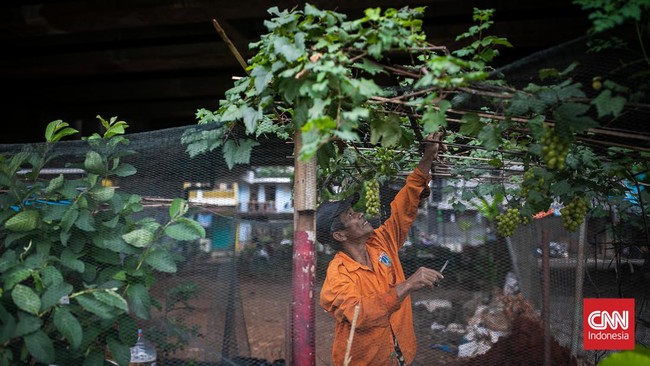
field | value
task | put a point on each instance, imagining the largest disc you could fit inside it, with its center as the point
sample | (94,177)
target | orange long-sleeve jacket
(349,283)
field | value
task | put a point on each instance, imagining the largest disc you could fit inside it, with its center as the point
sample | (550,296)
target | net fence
(230,300)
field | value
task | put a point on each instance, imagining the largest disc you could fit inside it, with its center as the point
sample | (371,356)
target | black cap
(329,211)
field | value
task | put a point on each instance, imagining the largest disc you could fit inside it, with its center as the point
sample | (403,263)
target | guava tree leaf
(139,300)
(26,299)
(161,261)
(139,238)
(66,323)
(40,346)
(27,323)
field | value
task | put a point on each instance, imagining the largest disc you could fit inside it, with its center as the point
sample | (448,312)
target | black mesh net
(230,300)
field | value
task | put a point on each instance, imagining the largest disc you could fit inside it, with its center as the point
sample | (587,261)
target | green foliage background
(364,92)
(76,265)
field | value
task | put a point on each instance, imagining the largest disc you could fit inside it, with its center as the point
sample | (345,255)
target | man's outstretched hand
(432,146)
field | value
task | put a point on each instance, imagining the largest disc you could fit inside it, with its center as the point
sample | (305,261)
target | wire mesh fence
(502,301)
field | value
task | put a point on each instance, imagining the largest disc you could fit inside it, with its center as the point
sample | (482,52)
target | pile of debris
(501,329)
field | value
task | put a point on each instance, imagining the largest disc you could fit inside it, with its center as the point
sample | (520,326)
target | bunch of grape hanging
(574,213)
(508,221)
(554,149)
(371,189)
(531,183)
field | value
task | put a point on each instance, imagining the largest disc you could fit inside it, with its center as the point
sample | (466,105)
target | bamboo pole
(348,348)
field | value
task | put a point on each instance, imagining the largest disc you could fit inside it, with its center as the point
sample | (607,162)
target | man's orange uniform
(381,314)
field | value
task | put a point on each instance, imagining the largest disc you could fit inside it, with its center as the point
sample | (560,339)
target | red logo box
(608,324)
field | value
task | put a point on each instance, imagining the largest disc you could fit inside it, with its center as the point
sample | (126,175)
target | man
(366,271)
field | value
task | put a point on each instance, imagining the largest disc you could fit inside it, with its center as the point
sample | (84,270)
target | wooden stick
(230,45)
(349,346)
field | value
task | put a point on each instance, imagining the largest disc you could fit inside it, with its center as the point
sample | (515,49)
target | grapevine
(508,221)
(554,149)
(371,189)
(574,213)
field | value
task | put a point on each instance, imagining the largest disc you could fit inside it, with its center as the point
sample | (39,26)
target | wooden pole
(230,45)
(304,259)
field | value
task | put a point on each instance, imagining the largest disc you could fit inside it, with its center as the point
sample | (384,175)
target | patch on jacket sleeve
(385,259)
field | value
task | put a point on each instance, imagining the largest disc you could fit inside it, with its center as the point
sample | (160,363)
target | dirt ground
(260,321)
(268,341)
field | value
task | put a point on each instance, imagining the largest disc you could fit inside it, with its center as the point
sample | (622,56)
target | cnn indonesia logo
(608,324)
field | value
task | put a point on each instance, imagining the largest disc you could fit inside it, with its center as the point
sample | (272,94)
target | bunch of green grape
(531,183)
(371,191)
(574,213)
(385,160)
(554,149)
(508,221)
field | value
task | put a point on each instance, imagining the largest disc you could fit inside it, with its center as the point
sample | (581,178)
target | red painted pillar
(304,261)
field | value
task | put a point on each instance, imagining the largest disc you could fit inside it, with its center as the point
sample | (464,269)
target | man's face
(355,224)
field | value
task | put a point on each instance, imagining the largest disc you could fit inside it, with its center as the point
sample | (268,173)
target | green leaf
(120,353)
(571,116)
(640,356)
(27,323)
(607,104)
(262,77)
(161,260)
(139,238)
(285,49)
(8,325)
(139,300)
(69,218)
(85,221)
(51,276)
(56,130)
(182,231)
(53,295)
(178,208)
(26,220)
(70,260)
(26,299)
(561,188)
(109,240)
(124,170)
(16,276)
(95,358)
(251,117)
(40,346)
(490,137)
(55,183)
(127,329)
(470,125)
(238,153)
(68,325)
(111,298)
(93,306)
(8,260)
(387,130)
